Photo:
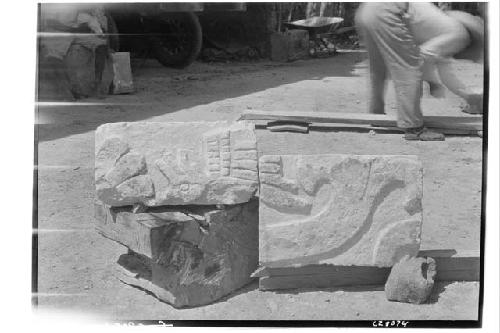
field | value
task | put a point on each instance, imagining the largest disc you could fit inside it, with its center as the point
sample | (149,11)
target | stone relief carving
(334,208)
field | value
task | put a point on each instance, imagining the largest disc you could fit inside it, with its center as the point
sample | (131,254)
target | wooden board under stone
(452,265)
(344,278)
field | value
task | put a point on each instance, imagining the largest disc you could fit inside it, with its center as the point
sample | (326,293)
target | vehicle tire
(179,39)
(113,37)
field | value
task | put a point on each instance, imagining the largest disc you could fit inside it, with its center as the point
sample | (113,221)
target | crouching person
(412,42)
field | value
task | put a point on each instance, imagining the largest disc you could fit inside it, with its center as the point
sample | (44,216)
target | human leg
(439,51)
(377,67)
(472,96)
(430,75)
(384,23)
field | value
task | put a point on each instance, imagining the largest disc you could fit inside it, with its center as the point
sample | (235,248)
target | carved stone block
(339,209)
(185,257)
(158,164)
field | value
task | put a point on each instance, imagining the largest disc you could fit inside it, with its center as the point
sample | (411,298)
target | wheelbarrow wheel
(178,40)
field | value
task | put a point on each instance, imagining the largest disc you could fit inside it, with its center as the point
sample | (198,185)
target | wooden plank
(468,123)
(447,260)
(322,127)
(284,126)
(348,276)
(452,265)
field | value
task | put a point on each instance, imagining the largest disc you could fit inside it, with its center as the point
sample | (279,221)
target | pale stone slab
(339,209)
(175,163)
(186,258)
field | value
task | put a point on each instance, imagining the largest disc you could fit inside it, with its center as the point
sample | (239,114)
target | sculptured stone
(156,164)
(339,209)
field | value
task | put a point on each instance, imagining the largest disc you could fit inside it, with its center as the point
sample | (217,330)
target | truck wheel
(176,39)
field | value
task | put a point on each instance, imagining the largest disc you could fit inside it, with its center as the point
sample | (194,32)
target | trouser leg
(378,74)
(384,23)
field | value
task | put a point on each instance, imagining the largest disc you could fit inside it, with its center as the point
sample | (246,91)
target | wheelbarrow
(320,30)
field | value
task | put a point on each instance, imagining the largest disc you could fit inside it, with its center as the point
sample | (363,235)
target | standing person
(400,37)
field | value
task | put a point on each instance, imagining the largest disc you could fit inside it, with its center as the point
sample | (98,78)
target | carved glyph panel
(175,163)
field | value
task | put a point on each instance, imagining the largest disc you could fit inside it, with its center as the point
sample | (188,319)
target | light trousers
(392,51)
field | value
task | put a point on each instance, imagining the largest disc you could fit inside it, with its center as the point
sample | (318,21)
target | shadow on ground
(254,285)
(161,90)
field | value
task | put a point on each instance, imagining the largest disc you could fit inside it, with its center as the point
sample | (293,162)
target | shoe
(422,134)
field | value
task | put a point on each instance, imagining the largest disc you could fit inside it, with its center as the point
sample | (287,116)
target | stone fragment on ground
(122,73)
(202,163)
(185,257)
(411,280)
(339,209)
(89,68)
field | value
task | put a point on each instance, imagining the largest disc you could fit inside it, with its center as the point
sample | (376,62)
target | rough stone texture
(175,163)
(89,68)
(411,280)
(339,209)
(186,257)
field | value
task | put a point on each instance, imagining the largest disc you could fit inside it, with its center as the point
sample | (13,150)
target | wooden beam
(287,126)
(340,276)
(322,127)
(452,265)
(465,123)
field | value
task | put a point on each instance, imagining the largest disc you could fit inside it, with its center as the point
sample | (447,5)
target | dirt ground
(75,264)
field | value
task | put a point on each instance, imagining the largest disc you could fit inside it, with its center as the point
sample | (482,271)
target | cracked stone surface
(156,164)
(339,209)
(185,257)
